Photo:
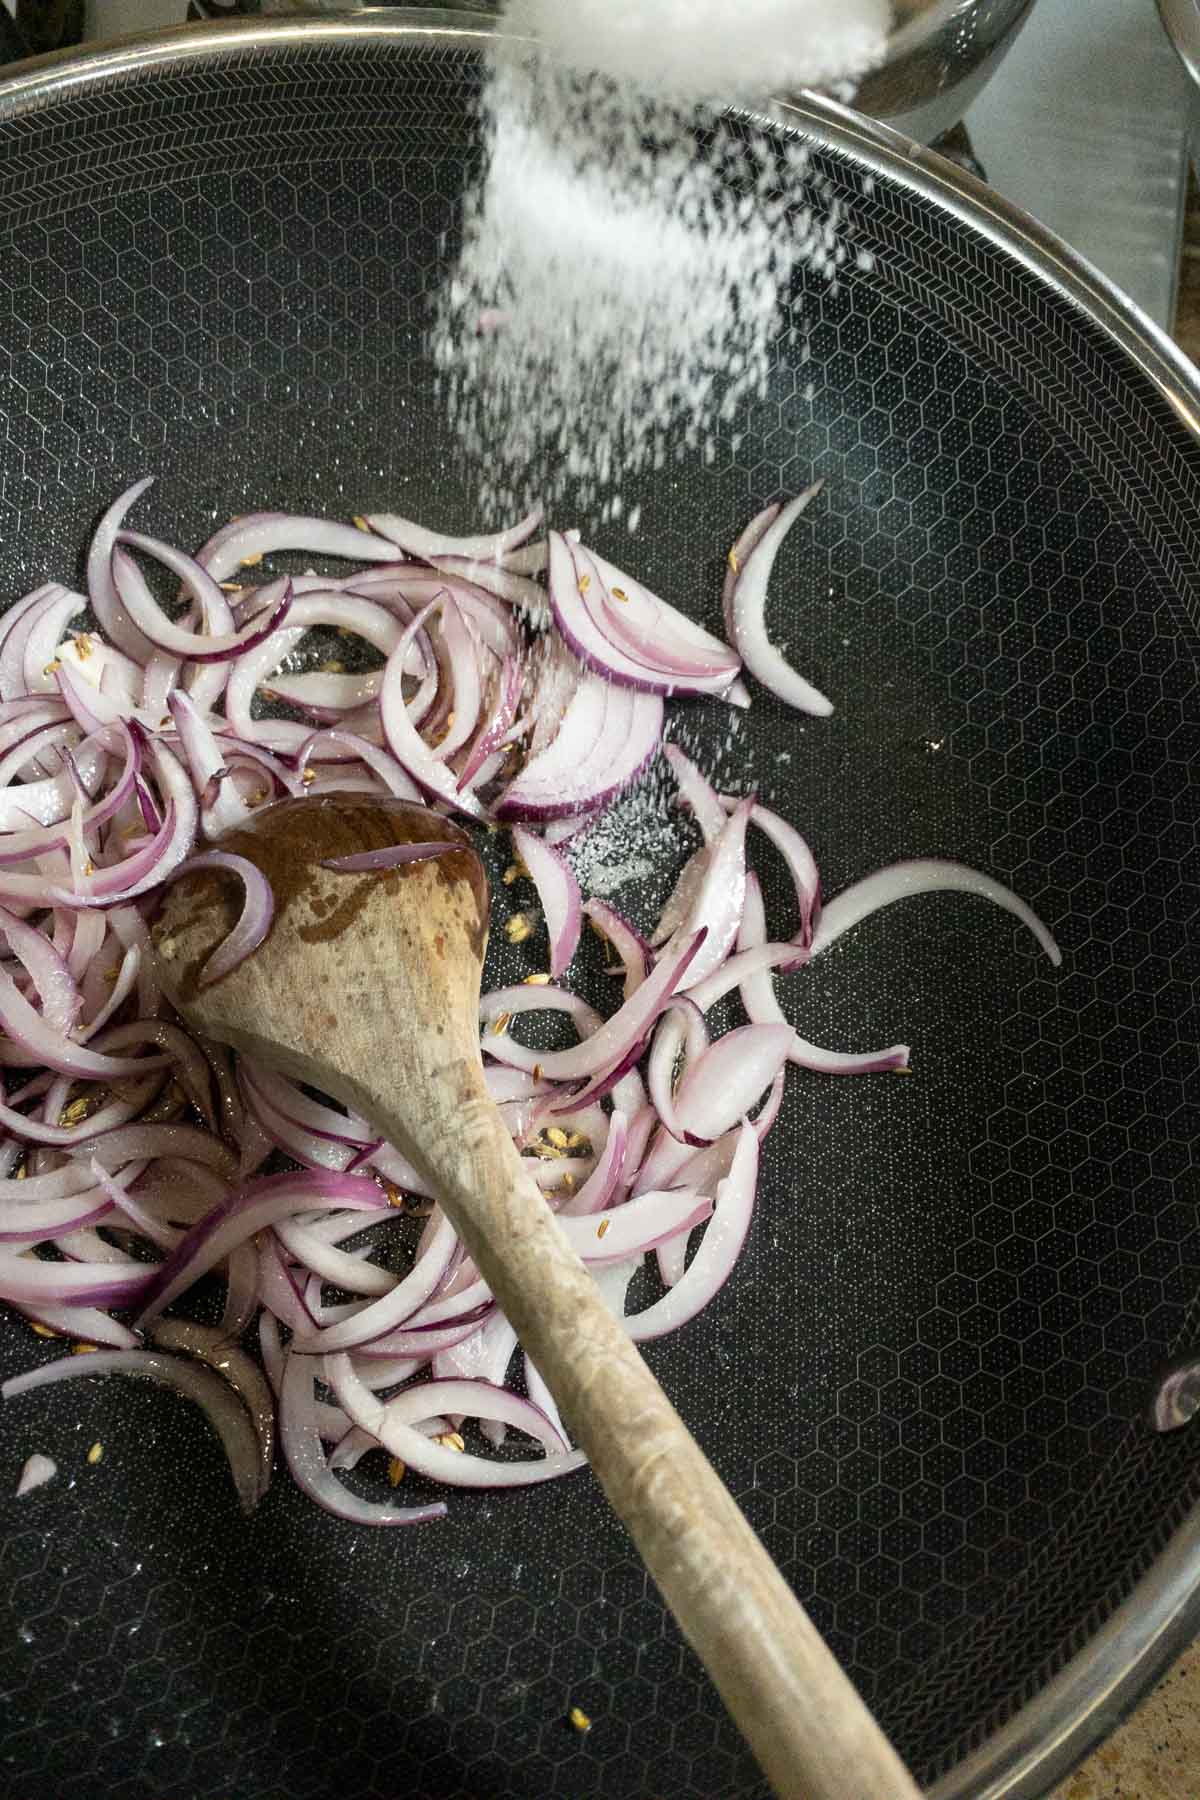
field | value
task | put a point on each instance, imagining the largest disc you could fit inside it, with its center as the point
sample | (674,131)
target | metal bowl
(927,1383)
(941,55)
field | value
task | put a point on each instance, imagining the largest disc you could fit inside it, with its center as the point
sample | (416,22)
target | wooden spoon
(367,986)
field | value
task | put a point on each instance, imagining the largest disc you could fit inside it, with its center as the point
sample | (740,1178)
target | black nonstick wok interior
(924,1385)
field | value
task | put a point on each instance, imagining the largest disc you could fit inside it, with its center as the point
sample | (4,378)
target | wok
(926,1384)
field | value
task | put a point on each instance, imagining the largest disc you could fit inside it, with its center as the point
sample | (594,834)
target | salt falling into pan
(628,254)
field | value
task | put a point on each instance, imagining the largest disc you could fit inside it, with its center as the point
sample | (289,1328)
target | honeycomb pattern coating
(923,1385)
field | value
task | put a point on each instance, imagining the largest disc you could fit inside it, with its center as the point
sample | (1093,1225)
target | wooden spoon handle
(796,1708)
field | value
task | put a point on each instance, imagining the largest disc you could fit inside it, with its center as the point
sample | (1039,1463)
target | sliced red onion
(26,1226)
(682,897)
(253,1208)
(47,1046)
(38,1470)
(584,613)
(403,739)
(696,793)
(147,867)
(341,1268)
(606,737)
(625,939)
(254,921)
(651,631)
(561,831)
(81,1324)
(254,668)
(378,761)
(300,1441)
(389,1423)
(220,643)
(50,974)
(718,1250)
(613,1040)
(717,907)
(558,891)
(748,616)
(925,875)
(14,633)
(247,540)
(46,624)
(393,1310)
(220,1405)
(743,1062)
(484,1356)
(370,862)
(802,868)
(527,559)
(212,1345)
(715,1095)
(601,1185)
(496,729)
(737,558)
(115,622)
(635,1226)
(762,1007)
(417,540)
(504,582)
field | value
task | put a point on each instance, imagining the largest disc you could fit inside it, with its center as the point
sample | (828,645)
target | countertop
(1156,1754)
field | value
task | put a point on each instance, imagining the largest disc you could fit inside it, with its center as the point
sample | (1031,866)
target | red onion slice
(115,622)
(198,647)
(696,793)
(247,540)
(635,1226)
(743,544)
(558,891)
(583,617)
(300,1441)
(50,974)
(762,1007)
(613,1040)
(718,1251)
(219,1404)
(651,631)
(253,1208)
(254,921)
(925,875)
(748,610)
(720,896)
(626,940)
(505,583)
(403,739)
(387,1422)
(494,733)
(396,856)
(81,1324)
(384,1316)
(418,540)
(566,778)
(211,1344)
(378,761)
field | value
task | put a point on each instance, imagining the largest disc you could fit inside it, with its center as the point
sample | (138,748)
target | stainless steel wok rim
(1129,1651)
